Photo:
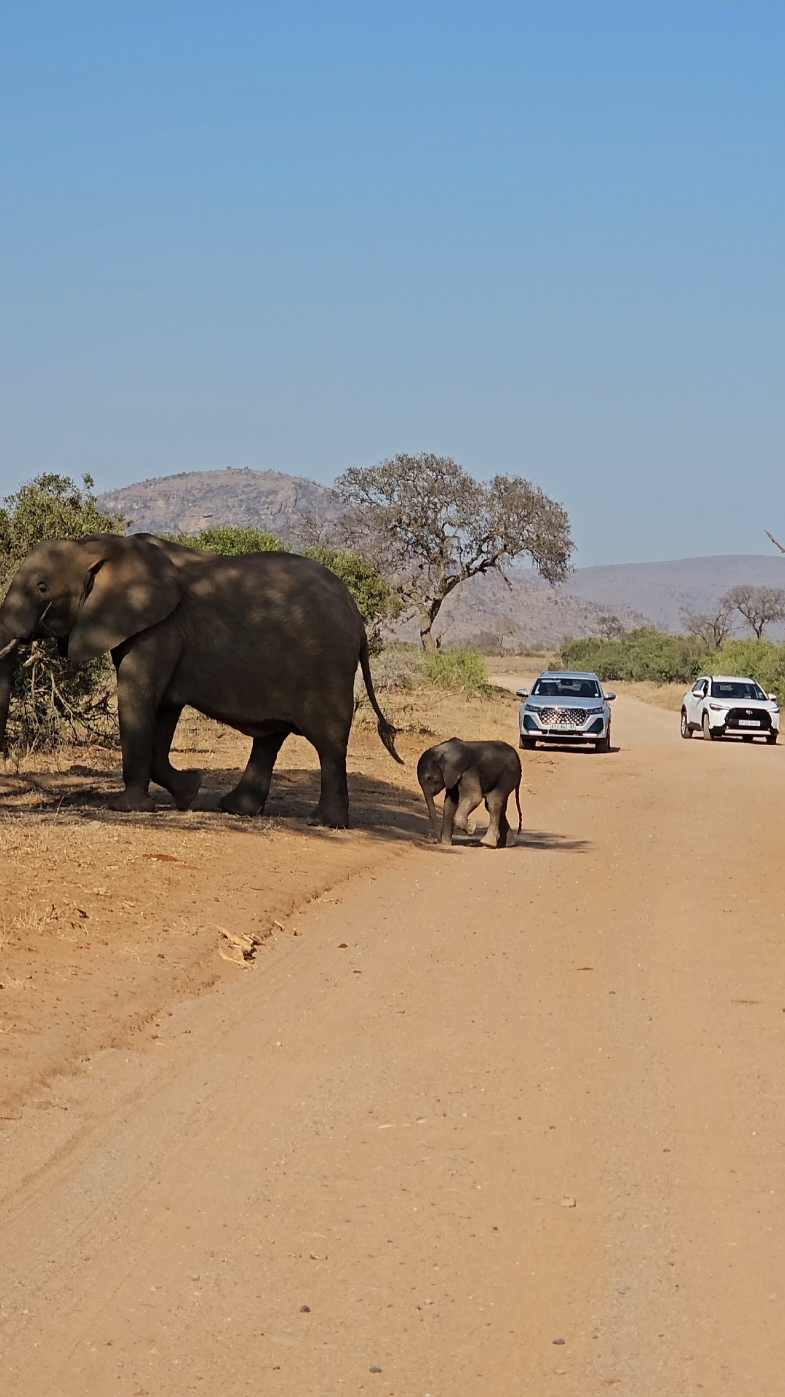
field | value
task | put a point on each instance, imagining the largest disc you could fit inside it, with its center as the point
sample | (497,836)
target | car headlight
(717,707)
(600,709)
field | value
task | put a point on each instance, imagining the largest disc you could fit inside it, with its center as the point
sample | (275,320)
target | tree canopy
(429,526)
(50,506)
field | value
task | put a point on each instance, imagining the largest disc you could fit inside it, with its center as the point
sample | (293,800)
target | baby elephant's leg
(496,835)
(469,797)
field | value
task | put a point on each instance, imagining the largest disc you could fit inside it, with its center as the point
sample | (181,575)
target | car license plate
(749,723)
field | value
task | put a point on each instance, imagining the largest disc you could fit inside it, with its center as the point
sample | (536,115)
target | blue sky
(544,239)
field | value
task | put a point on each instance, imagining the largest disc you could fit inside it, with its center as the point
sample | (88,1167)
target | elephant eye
(42,586)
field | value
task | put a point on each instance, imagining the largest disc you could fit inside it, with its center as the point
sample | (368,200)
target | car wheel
(604,744)
(686,730)
(771,738)
(527,743)
(708,735)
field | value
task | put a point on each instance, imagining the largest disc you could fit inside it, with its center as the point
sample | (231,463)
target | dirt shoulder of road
(106,919)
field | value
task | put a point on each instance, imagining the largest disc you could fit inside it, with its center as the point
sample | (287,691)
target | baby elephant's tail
(384,726)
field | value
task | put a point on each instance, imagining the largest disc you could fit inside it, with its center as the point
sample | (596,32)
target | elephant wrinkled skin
(267,643)
(468,773)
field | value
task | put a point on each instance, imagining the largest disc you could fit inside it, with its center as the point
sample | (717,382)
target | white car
(723,705)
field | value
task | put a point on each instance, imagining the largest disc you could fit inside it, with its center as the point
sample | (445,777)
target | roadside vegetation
(53,702)
(649,654)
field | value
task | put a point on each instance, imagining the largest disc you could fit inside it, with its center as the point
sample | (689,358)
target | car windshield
(561,687)
(736,689)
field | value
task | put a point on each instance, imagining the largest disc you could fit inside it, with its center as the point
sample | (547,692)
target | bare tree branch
(758,605)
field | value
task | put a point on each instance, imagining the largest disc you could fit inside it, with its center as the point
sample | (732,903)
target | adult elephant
(267,643)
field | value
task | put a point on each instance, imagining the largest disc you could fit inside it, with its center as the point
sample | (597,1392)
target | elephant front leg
(433,814)
(136,713)
(250,794)
(469,797)
(449,811)
(183,786)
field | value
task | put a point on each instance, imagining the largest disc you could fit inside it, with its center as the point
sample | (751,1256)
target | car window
(737,689)
(566,688)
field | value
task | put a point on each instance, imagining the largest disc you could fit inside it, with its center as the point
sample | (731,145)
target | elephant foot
(186,789)
(512,839)
(327,819)
(490,843)
(242,801)
(468,825)
(132,802)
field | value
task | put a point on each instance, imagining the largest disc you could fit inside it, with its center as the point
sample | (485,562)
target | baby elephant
(470,772)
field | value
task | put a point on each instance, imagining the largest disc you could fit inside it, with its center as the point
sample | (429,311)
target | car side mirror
(609,698)
(522,693)
(773,698)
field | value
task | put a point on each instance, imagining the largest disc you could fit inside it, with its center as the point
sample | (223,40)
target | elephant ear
(129,586)
(455,760)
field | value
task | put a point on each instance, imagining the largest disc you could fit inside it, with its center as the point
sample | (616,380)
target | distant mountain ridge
(531,612)
(662,590)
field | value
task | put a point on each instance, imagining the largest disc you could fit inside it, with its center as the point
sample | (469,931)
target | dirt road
(521,1134)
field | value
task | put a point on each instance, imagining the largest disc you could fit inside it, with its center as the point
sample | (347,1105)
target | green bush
(233,541)
(53,702)
(650,654)
(462,670)
(760,659)
(645,653)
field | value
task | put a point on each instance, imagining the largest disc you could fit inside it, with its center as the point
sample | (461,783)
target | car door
(695,701)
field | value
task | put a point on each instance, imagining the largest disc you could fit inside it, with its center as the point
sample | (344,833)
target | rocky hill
(196,500)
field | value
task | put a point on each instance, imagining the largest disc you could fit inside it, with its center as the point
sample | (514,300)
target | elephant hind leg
(183,786)
(498,827)
(333,807)
(249,796)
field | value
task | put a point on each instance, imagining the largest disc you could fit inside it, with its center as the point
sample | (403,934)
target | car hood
(540,702)
(767,704)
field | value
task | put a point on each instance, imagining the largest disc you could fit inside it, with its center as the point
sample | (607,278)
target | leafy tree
(610,626)
(54,702)
(428,527)
(375,598)
(758,605)
(50,506)
(233,541)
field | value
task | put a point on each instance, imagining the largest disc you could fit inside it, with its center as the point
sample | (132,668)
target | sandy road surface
(385,1133)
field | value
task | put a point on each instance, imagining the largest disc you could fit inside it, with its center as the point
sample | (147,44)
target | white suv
(726,706)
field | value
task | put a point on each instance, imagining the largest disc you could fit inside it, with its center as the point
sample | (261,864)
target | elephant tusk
(8,649)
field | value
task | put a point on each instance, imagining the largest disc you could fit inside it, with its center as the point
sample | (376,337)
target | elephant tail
(518,803)
(384,726)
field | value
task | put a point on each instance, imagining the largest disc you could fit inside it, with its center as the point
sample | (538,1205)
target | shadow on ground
(380,808)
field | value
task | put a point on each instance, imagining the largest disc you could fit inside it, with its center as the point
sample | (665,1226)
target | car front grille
(562,717)
(738,716)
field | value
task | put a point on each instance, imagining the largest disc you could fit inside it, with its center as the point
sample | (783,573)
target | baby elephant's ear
(129,585)
(455,760)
